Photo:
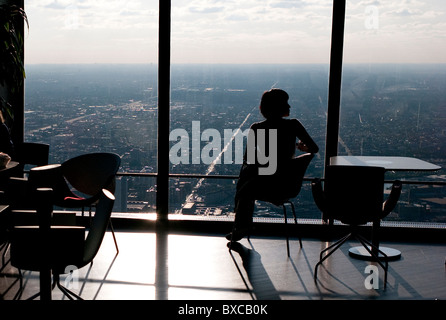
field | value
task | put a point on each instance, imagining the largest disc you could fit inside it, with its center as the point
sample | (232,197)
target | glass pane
(393,98)
(91,83)
(224,56)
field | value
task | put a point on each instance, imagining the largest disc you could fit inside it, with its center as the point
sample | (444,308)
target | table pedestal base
(361,253)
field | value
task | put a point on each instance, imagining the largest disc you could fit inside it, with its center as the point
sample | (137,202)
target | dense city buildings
(397,110)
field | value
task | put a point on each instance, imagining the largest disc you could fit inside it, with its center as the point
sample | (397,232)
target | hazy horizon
(241,32)
(235,63)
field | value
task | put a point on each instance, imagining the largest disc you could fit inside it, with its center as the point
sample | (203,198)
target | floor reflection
(174,266)
(161,268)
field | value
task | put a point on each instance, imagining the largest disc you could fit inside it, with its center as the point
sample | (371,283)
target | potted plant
(12,68)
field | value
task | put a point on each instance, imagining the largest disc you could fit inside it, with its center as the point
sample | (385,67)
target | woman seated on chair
(270,147)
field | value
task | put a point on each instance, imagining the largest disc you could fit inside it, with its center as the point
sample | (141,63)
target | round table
(360,252)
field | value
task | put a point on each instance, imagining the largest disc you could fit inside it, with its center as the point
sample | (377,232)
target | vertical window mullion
(334,90)
(162,193)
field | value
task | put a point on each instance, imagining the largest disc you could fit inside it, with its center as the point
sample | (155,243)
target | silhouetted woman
(252,182)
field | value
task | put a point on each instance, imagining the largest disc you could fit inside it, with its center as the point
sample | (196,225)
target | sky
(234,31)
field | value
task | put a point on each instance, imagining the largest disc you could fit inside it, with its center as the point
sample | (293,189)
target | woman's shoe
(237,235)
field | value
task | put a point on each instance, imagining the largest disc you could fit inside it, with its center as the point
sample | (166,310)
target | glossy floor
(195,267)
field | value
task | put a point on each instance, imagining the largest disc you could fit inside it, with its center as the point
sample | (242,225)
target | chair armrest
(319,196)
(393,198)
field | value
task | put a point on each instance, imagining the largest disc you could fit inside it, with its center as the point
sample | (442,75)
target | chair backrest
(98,225)
(299,166)
(287,183)
(354,194)
(89,173)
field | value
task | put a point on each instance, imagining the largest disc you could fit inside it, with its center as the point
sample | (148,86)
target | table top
(46,167)
(389,163)
(10,165)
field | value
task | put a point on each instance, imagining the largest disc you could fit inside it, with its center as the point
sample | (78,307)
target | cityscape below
(393,110)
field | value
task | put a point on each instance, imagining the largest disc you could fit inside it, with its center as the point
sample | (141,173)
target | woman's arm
(306,143)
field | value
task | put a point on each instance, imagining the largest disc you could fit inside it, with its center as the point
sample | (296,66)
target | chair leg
(56,282)
(3,245)
(113,234)
(365,243)
(5,248)
(70,294)
(295,220)
(286,225)
(109,224)
(286,231)
(19,293)
(337,244)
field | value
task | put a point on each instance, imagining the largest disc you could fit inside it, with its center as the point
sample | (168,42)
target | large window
(393,99)
(91,86)
(224,56)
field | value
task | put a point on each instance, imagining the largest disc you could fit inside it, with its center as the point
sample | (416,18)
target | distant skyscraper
(121,194)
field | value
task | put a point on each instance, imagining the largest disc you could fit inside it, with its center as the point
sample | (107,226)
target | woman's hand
(302,146)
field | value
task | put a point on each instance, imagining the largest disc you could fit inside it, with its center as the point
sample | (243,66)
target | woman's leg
(243,213)
(244,209)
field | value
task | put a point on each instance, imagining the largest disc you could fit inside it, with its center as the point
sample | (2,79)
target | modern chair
(286,190)
(76,183)
(354,195)
(22,198)
(68,248)
(88,174)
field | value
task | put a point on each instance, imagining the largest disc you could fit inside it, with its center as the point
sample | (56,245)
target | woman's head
(274,104)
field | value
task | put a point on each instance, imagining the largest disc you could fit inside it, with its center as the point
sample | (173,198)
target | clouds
(251,31)
(233,31)
(92,31)
(288,4)
(93,14)
(405,31)
(195,9)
